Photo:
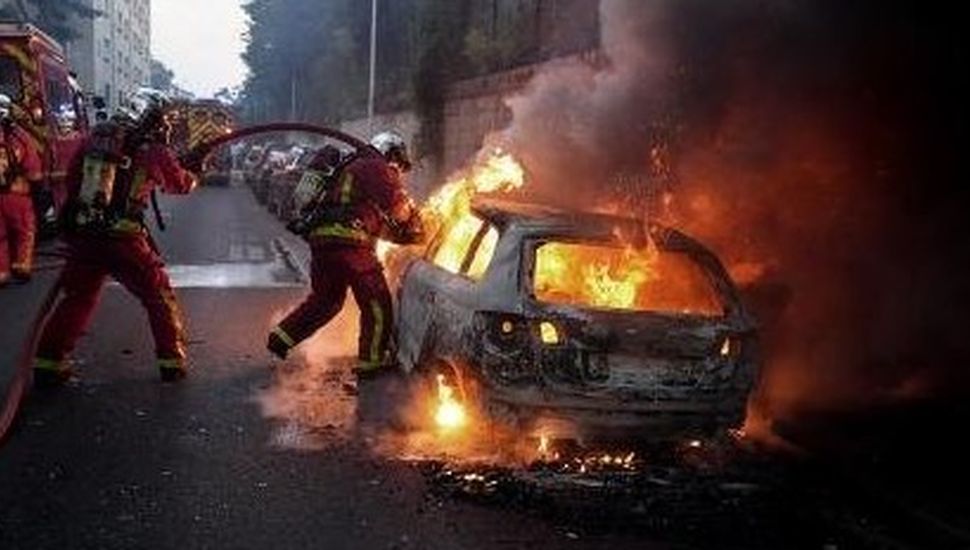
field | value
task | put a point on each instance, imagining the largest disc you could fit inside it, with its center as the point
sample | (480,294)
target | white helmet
(393,148)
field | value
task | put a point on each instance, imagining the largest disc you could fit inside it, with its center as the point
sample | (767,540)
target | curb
(295,255)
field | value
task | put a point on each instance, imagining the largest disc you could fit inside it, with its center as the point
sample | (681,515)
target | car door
(439,292)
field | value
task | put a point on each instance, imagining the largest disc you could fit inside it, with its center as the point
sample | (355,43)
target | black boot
(50,378)
(172,374)
(277,346)
(21,276)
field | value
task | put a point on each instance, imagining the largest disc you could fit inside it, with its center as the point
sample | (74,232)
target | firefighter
(20,169)
(111,181)
(364,200)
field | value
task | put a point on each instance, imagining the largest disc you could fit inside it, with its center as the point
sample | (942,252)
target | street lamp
(373,65)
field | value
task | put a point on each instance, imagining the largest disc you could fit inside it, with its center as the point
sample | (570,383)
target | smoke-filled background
(814,147)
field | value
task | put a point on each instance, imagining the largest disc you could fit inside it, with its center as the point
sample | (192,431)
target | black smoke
(816,146)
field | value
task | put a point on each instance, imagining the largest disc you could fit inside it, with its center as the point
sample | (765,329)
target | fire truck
(202,120)
(47,102)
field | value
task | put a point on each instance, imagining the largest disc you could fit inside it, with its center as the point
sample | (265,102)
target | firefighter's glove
(410,231)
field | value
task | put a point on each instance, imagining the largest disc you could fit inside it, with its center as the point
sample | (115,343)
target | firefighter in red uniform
(107,236)
(363,200)
(20,168)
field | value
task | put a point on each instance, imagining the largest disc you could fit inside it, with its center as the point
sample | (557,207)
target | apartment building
(112,54)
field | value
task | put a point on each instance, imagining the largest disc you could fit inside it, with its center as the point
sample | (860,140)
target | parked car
(493,304)
(283,182)
(262,174)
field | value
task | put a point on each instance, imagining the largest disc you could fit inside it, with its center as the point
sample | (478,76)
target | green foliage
(307,60)
(161,76)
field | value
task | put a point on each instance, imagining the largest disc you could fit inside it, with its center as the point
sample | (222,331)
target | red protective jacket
(367,190)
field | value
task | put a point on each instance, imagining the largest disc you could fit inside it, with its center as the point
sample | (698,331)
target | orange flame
(493,172)
(608,275)
(599,276)
(450,414)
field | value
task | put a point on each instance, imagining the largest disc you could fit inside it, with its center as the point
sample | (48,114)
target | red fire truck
(46,101)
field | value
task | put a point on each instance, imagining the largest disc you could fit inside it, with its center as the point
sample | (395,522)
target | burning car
(602,323)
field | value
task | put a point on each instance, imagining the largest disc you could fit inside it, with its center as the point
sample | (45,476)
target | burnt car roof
(545,221)
(541,219)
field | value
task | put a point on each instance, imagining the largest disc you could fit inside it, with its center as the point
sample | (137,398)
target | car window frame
(469,257)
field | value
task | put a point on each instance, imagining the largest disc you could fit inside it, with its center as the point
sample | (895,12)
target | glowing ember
(450,414)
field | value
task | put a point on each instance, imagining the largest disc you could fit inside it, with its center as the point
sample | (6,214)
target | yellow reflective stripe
(341,231)
(127,226)
(175,317)
(49,364)
(375,343)
(23,58)
(170,363)
(284,337)
(368,365)
(137,182)
(346,187)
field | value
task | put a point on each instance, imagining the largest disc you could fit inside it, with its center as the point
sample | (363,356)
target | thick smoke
(813,146)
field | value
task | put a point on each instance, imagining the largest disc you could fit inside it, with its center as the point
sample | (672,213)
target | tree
(307,59)
(161,76)
(227,96)
(54,17)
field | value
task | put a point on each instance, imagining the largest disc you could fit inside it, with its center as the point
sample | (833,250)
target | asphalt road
(247,452)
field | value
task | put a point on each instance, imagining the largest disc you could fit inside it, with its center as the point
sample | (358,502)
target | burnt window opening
(608,276)
(465,247)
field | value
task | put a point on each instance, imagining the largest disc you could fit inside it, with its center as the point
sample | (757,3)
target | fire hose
(204,149)
(18,389)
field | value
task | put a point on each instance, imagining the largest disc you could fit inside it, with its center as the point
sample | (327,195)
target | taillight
(549,333)
(730,346)
(508,330)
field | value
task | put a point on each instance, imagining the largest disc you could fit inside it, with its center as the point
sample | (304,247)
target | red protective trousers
(132,261)
(16,234)
(335,268)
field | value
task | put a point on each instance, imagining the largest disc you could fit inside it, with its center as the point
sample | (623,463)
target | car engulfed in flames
(605,325)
